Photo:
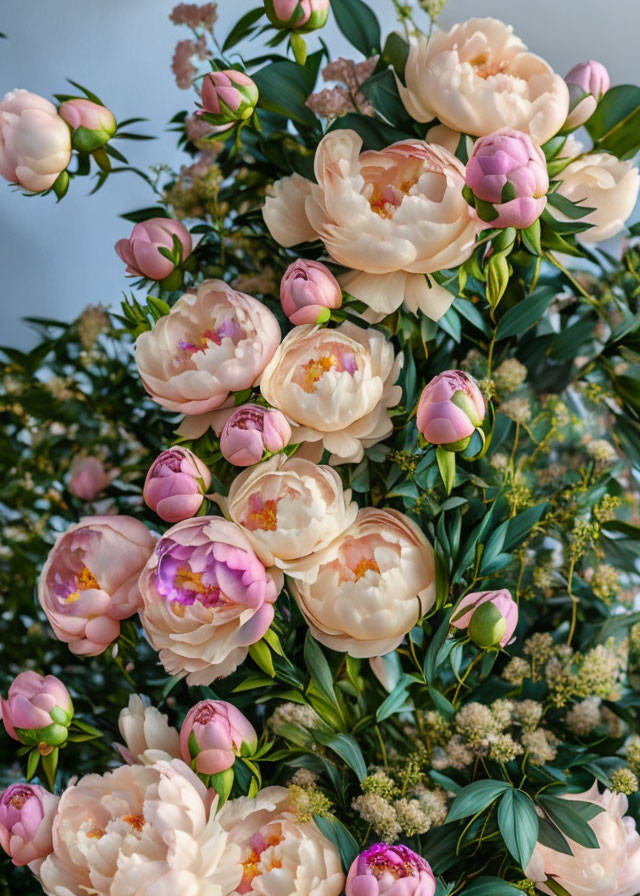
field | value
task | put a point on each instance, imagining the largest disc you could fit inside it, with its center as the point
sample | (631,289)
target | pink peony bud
(489,617)
(507,174)
(384,870)
(250,431)
(35,145)
(302,15)
(141,252)
(588,82)
(451,407)
(37,710)
(175,484)
(88,478)
(228,96)
(212,735)
(309,292)
(92,125)
(26,820)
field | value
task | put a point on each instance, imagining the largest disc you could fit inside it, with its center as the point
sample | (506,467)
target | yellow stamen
(364,565)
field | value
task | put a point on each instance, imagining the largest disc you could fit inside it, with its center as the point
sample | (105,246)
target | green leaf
(359,24)
(615,125)
(32,763)
(318,668)
(526,313)
(570,819)
(567,207)
(396,700)
(447,466)
(261,656)
(549,835)
(340,836)
(521,525)
(375,134)
(284,91)
(395,53)
(491,886)
(518,823)
(346,746)
(475,797)
(242,28)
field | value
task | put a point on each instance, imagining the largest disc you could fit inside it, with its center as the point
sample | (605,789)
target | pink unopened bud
(385,870)
(507,174)
(35,145)
(212,735)
(141,252)
(309,292)
(301,15)
(92,125)
(489,617)
(250,431)
(588,82)
(88,478)
(38,710)
(451,407)
(228,96)
(175,484)
(26,819)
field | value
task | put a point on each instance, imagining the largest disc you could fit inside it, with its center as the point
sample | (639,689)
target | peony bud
(35,146)
(250,431)
(309,292)
(213,734)
(26,820)
(37,710)
(228,96)
(175,484)
(92,125)
(301,15)
(88,478)
(451,407)
(489,617)
(141,252)
(588,82)
(384,870)
(507,174)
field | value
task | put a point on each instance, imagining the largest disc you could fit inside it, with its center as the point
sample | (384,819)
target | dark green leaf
(346,746)
(475,797)
(615,125)
(490,886)
(359,24)
(340,836)
(569,820)
(526,313)
(518,823)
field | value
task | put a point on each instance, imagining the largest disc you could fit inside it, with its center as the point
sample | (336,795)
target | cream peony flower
(604,183)
(381,581)
(140,831)
(148,736)
(213,342)
(335,386)
(478,78)
(292,511)
(611,870)
(392,216)
(280,856)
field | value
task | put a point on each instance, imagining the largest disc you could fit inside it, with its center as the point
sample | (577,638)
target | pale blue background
(54,260)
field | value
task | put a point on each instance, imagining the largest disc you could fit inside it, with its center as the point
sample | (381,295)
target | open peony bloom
(90,580)
(35,144)
(175,484)
(507,174)
(588,82)
(279,855)
(379,584)
(141,251)
(212,735)
(309,292)
(335,387)
(611,870)
(207,597)
(38,710)
(478,78)
(489,617)
(292,511)
(228,96)
(147,734)
(213,342)
(384,870)
(607,185)
(88,478)
(139,831)
(249,431)
(303,15)
(393,216)
(26,817)
(451,407)
(92,125)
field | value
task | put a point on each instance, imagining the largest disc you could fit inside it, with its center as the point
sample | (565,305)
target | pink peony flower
(141,252)
(228,96)
(302,15)
(251,430)
(507,173)
(26,818)
(384,870)
(212,735)
(451,407)
(588,82)
(90,580)
(92,124)
(38,710)
(88,478)
(309,292)
(207,597)
(489,617)
(35,144)
(175,484)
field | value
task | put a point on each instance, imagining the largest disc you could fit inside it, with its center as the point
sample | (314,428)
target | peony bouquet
(321,557)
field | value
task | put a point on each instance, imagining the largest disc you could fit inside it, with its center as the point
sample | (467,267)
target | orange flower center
(264,517)
(135,821)
(314,370)
(484,68)
(84,582)
(95,833)
(251,865)
(364,565)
